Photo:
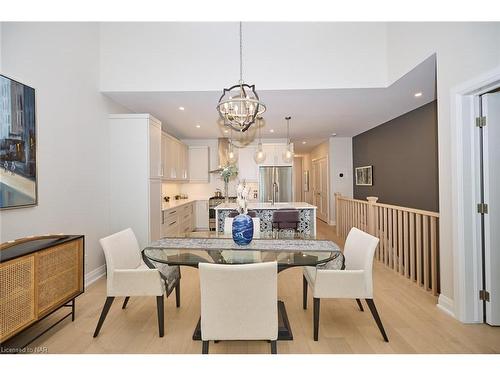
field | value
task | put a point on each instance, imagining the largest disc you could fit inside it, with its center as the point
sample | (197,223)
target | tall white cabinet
(136,172)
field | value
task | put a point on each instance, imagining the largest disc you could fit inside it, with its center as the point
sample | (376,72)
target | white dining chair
(355,281)
(239,302)
(228,226)
(127,275)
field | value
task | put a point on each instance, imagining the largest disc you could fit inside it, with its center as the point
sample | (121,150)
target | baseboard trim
(332,222)
(92,276)
(445,304)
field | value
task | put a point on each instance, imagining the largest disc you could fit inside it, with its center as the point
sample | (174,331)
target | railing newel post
(337,212)
(371,214)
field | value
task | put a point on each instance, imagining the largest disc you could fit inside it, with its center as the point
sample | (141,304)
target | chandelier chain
(241,52)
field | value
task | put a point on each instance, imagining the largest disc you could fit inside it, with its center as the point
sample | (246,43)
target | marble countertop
(267,206)
(176,203)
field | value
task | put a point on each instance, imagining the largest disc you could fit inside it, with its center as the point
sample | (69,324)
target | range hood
(222,148)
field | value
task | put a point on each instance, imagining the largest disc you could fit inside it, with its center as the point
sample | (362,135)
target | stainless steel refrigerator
(277,181)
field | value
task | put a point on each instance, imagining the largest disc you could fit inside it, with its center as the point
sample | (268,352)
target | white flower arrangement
(242,193)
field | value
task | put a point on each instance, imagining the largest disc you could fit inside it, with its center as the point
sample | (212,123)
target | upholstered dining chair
(129,276)
(355,281)
(239,302)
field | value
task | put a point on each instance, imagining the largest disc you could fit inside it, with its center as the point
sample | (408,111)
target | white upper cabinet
(184,172)
(198,164)
(274,154)
(175,158)
(248,169)
(155,157)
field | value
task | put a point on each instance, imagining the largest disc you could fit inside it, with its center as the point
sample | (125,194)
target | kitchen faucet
(275,190)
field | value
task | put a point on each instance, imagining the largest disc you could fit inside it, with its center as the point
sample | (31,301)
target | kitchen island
(264,211)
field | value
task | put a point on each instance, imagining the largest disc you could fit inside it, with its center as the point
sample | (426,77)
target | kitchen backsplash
(205,191)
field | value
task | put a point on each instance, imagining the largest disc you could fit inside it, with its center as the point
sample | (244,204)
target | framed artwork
(18,159)
(364,176)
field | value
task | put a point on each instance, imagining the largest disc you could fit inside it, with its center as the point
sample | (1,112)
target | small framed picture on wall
(364,176)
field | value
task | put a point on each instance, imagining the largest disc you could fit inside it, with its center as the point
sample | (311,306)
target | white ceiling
(316,114)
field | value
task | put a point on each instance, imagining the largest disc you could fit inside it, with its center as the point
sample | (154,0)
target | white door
(320,187)
(491,163)
(323,168)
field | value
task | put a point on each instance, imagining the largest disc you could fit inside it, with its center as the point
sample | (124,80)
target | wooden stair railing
(409,241)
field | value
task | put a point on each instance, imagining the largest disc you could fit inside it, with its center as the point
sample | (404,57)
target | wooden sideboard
(38,275)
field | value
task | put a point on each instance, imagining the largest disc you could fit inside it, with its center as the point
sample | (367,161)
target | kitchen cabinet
(135,172)
(198,164)
(248,169)
(184,159)
(179,220)
(274,154)
(201,215)
(175,159)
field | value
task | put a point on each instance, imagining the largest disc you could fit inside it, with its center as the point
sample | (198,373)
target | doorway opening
(476,199)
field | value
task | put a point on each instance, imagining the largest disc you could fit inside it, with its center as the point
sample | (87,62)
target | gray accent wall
(404,156)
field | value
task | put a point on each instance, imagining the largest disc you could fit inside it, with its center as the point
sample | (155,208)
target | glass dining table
(288,249)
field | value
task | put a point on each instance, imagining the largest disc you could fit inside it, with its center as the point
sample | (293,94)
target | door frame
(466,246)
(327,184)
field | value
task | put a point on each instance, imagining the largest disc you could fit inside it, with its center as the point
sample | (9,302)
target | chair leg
(178,294)
(125,302)
(274,347)
(374,312)
(316,318)
(204,348)
(360,305)
(159,307)
(104,312)
(304,292)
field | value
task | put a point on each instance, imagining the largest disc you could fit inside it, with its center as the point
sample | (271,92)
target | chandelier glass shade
(260,155)
(239,106)
(288,153)
(232,152)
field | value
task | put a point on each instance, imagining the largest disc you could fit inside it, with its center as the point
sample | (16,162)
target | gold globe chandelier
(239,106)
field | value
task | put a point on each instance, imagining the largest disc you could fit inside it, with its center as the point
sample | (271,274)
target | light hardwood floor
(413,322)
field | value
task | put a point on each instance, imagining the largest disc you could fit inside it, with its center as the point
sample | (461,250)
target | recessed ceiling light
(181,108)
(271,130)
(226,131)
(334,134)
(418,94)
(304,142)
(198,126)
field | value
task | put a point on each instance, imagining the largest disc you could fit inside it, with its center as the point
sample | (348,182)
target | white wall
(1,23)
(61,61)
(340,161)
(205,56)
(464,50)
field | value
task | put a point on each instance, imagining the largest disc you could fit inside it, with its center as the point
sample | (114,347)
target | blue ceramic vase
(242,229)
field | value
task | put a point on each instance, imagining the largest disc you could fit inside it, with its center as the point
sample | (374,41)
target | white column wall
(340,162)
(61,61)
